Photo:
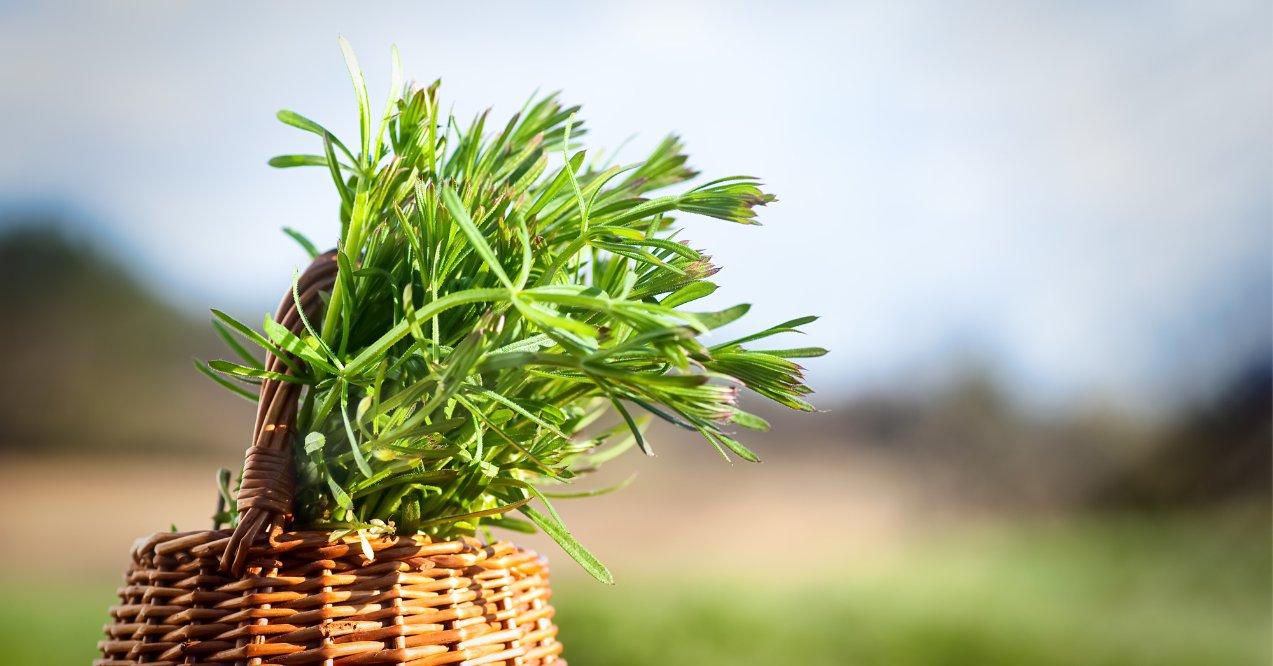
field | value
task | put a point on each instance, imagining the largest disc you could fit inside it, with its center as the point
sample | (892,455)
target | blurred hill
(969,440)
(102,365)
(97,363)
(1216,450)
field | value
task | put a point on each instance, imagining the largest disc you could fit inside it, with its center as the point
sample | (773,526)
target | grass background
(1184,589)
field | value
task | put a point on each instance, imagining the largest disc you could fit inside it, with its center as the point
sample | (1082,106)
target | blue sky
(1076,194)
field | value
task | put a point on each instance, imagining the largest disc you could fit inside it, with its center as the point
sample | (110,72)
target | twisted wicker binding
(268,483)
(262,595)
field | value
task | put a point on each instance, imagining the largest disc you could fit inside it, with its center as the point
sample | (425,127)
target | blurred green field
(1121,590)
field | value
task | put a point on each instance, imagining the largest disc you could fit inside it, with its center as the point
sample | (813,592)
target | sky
(1077,196)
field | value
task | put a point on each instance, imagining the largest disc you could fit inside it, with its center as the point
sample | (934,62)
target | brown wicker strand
(267,487)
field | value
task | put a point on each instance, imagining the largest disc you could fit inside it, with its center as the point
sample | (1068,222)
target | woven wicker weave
(307,601)
(263,595)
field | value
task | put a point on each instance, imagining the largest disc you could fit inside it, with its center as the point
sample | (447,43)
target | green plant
(489,309)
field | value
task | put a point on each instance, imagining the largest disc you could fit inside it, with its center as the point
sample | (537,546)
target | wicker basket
(265,595)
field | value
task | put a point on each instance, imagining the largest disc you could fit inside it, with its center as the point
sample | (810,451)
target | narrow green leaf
(364,106)
(256,373)
(359,458)
(254,337)
(749,420)
(568,543)
(301,122)
(514,524)
(290,161)
(375,351)
(690,292)
(799,352)
(733,445)
(632,425)
(595,492)
(785,327)
(238,349)
(333,168)
(461,216)
(711,320)
(305,243)
(523,411)
(234,388)
(288,341)
(503,508)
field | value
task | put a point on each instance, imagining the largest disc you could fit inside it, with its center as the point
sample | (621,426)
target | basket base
(307,600)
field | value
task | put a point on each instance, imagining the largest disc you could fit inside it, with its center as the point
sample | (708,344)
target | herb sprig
(498,295)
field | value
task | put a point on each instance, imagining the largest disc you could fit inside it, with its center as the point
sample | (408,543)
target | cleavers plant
(497,295)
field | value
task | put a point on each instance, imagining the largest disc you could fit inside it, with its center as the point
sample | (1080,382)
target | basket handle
(268,483)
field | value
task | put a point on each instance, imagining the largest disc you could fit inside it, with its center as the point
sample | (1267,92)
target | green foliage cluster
(490,308)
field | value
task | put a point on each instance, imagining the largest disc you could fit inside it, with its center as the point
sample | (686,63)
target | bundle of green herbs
(498,294)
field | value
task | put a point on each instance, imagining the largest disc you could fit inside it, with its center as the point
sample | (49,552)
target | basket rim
(213,541)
